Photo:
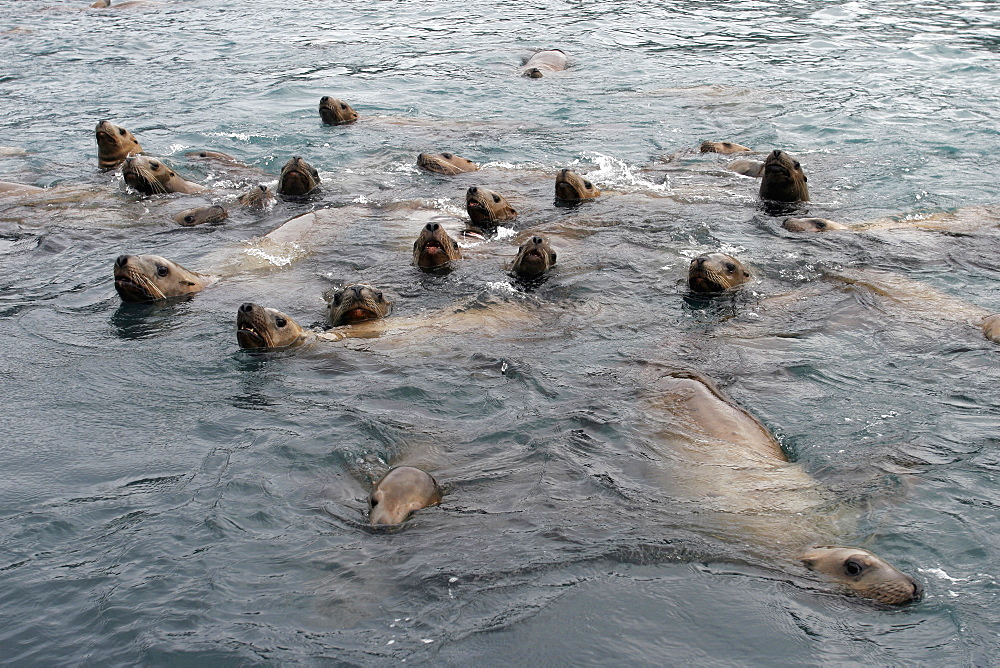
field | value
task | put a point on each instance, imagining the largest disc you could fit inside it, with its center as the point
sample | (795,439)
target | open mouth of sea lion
(355,315)
(131,291)
(248,337)
(704,284)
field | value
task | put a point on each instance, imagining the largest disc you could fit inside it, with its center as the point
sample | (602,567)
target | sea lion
(447,164)
(862,572)
(150,177)
(212,155)
(724,147)
(751,168)
(16,188)
(544,62)
(571,187)
(812,225)
(114,144)
(401,491)
(783,179)
(336,112)
(434,248)
(357,303)
(259,327)
(534,258)
(257,198)
(728,465)
(297,178)
(201,216)
(716,272)
(147,278)
(487,208)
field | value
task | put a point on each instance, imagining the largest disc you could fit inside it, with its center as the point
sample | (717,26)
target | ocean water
(169,499)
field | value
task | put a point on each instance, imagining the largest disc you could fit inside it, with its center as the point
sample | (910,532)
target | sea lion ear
(455,244)
(805,178)
(172,173)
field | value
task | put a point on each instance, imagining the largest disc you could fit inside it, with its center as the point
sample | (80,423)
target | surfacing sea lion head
(336,112)
(811,225)
(448,164)
(716,272)
(724,147)
(487,208)
(260,327)
(783,179)
(152,177)
(863,573)
(534,258)
(257,198)
(401,491)
(542,62)
(201,216)
(297,178)
(149,278)
(570,186)
(357,303)
(434,248)
(114,144)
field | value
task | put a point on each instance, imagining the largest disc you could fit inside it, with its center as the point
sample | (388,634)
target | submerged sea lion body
(447,164)
(751,168)
(716,272)
(544,62)
(151,177)
(114,144)
(147,278)
(401,491)
(297,178)
(783,179)
(259,327)
(487,208)
(14,188)
(720,458)
(571,187)
(334,111)
(534,258)
(724,147)
(434,248)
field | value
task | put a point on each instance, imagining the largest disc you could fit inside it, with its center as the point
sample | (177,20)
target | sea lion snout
(432,227)
(247,307)
(122,260)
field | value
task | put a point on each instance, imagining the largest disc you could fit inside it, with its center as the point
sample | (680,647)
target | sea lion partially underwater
(147,278)
(571,187)
(114,144)
(334,111)
(711,273)
(401,491)
(783,179)
(434,248)
(487,208)
(544,62)
(298,178)
(723,464)
(447,164)
(152,177)
(534,258)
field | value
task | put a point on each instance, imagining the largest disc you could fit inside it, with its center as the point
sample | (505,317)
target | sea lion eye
(730,266)
(446,156)
(162,270)
(796,164)
(587,185)
(343,106)
(496,198)
(820,225)
(853,568)
(189,218)
(280,322)
(203,155)
(378,296)
(121,131)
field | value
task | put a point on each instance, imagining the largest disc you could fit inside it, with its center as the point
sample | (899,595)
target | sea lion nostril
(122,260)
(247,307)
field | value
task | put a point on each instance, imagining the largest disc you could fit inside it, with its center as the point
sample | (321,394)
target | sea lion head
(434,248)
(716,272)
(864,573)
(336,112)
(357,303)
(297,178)
(783,179)
(149,175)
(487,208)
(114,144)
(571,186)
(257,198)
(148,278)
(725,147)
(448,164)
(534,258)
(812,225)
(259,327)
(401,491)
(201,216)
(991,327)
